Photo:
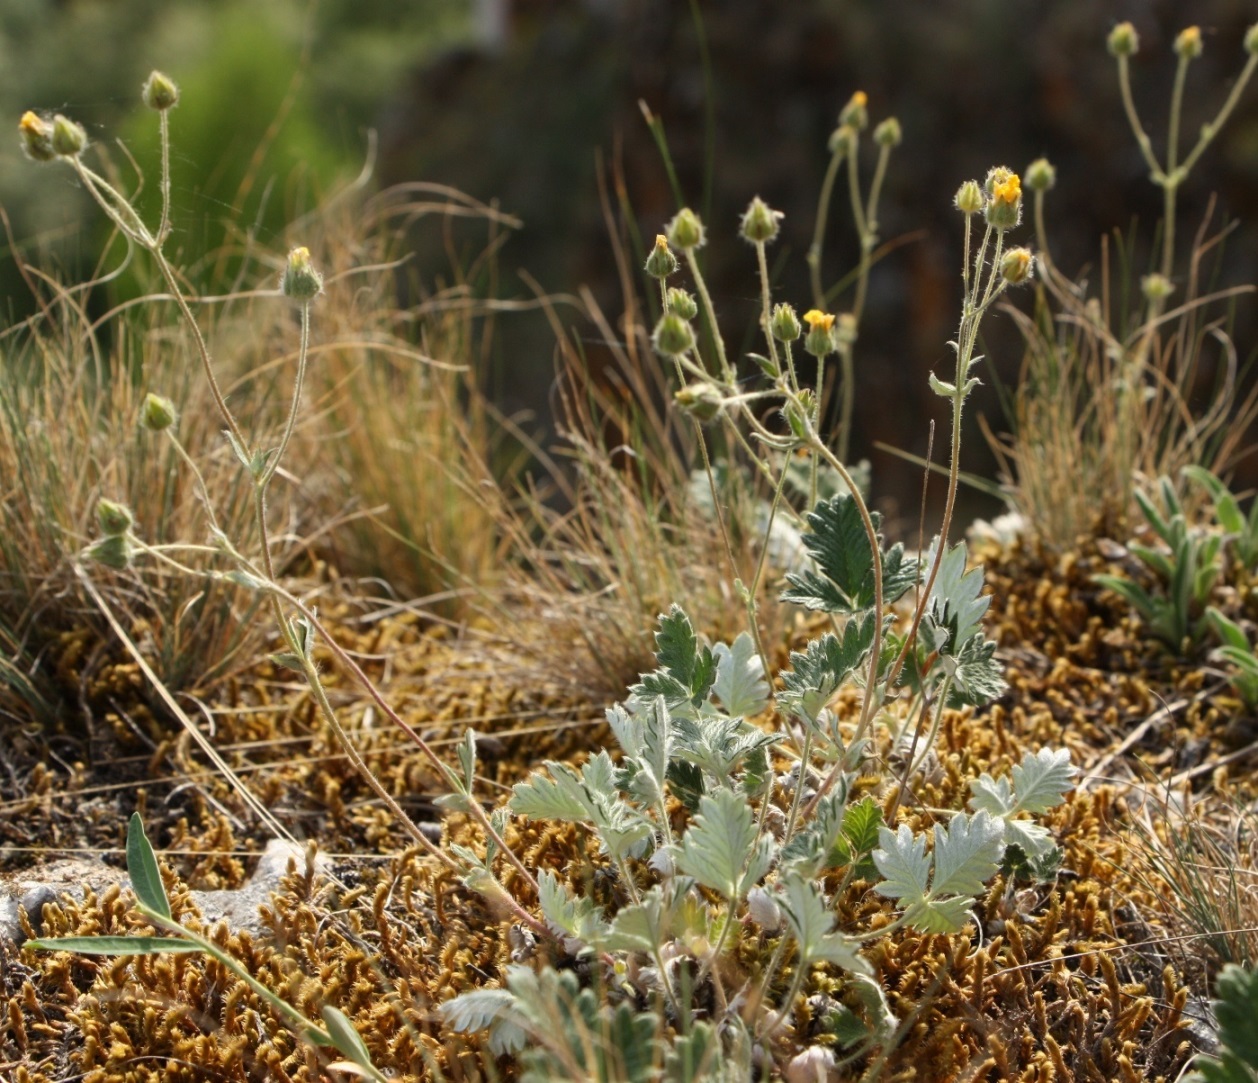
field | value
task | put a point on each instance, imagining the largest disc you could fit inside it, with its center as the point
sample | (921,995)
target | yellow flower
(860,98)
(815,318)
(1008,190)
(1188,42)
(36,135)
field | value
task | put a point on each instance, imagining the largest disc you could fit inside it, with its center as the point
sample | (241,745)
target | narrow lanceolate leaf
(146,877)
(716,849)
(740,684)
(348,1041)
(114,945)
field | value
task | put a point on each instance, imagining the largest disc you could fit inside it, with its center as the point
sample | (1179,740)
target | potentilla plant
(715,828)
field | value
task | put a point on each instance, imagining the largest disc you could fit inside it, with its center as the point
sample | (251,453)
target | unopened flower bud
(969,198)
(784,323)
(1251,39)
(113,518)
(763,909)
(682,303)
(1123,40)
(820,339)
(673,336)
(68,138)
(1016,266)
(661,262)
(301,281)
(843,139)
(36,134)
(1156,287)
(160,92)
(702,401)
(888,133)
(113,551)
(1188,44)
(1041,175)
(685,231)
(760,222)
(798,415)
(855,114)
(1004,207)
(157,413)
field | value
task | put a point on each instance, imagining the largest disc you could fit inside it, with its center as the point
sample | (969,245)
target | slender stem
(1133,118)
(854,189)
(302,360)
(805,754)
(692,262)
(763,263)
(1170,185)
(163,230)
(819,229)
(788,1002)
(847,405)
(1209,131)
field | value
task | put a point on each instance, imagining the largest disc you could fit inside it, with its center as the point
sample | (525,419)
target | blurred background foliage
(533,103)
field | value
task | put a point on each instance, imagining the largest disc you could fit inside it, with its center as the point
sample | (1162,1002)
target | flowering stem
(819,229)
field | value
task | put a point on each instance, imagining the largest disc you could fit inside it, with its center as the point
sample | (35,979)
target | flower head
(1123,40)
(820,339)
(1016,266)
(1004,187)
(686,231)
(160,92)
(856,113)
(760,222)
(661,262)
(301,281)
(1188,43)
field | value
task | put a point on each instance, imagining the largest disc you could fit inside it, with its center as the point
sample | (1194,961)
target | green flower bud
(888,133)
(1017,265)
(820,339)
(160,92)
(1188,44)
(1251,39)
(36,134)
(798,416)
(1004,207)
(301,281)
(661,262)
(157,413)
(68,139)
(969,198)
(1156,287)
(855,114)
(1041,175)
(114,519)
(114,551)
(673,336)
(702,401)
(760,223)
(685,231)
(681,303)
(843,139)
(1123,40)
(784,324)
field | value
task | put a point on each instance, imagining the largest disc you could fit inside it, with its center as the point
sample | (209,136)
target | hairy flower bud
(685,231)
(682,303)
(843,139)
(114,519)
(1188,44)
(1251,40)
(36,134)
(673,336)
(856,114)
(160,92)
(157,413)
(1041,175)
(1004,207)
(888,133)
(68,138)
(661,262)
(820,339)
(784,323)
(969,198)
(113,551)
(1016,266)
(301,281)
(760,223)
(1123,40)
(702,401)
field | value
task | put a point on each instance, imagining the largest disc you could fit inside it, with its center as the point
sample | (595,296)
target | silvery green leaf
(873,995)
(977,677)
(740,684)
(957,600)
(967,854)
(901,858)
(483,1008)
(806,853)
(626,728)
(572,916)
(719,745)
(640,927)
(941,387)
(244,579)
(561,796)
(811,922)
(716,847)
(1033,839)
(1042,780)
(289,660)
(238,448)
(657,750)
(818,671)
(349,1042)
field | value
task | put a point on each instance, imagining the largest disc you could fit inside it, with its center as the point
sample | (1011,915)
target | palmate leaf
(680,658)
(488,1008)
(721,850)
(718,745)
(810,922)
(812,846)
(967,854)
(957,601)
(740,684)
(572,916)
(827,662)
(977,677)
